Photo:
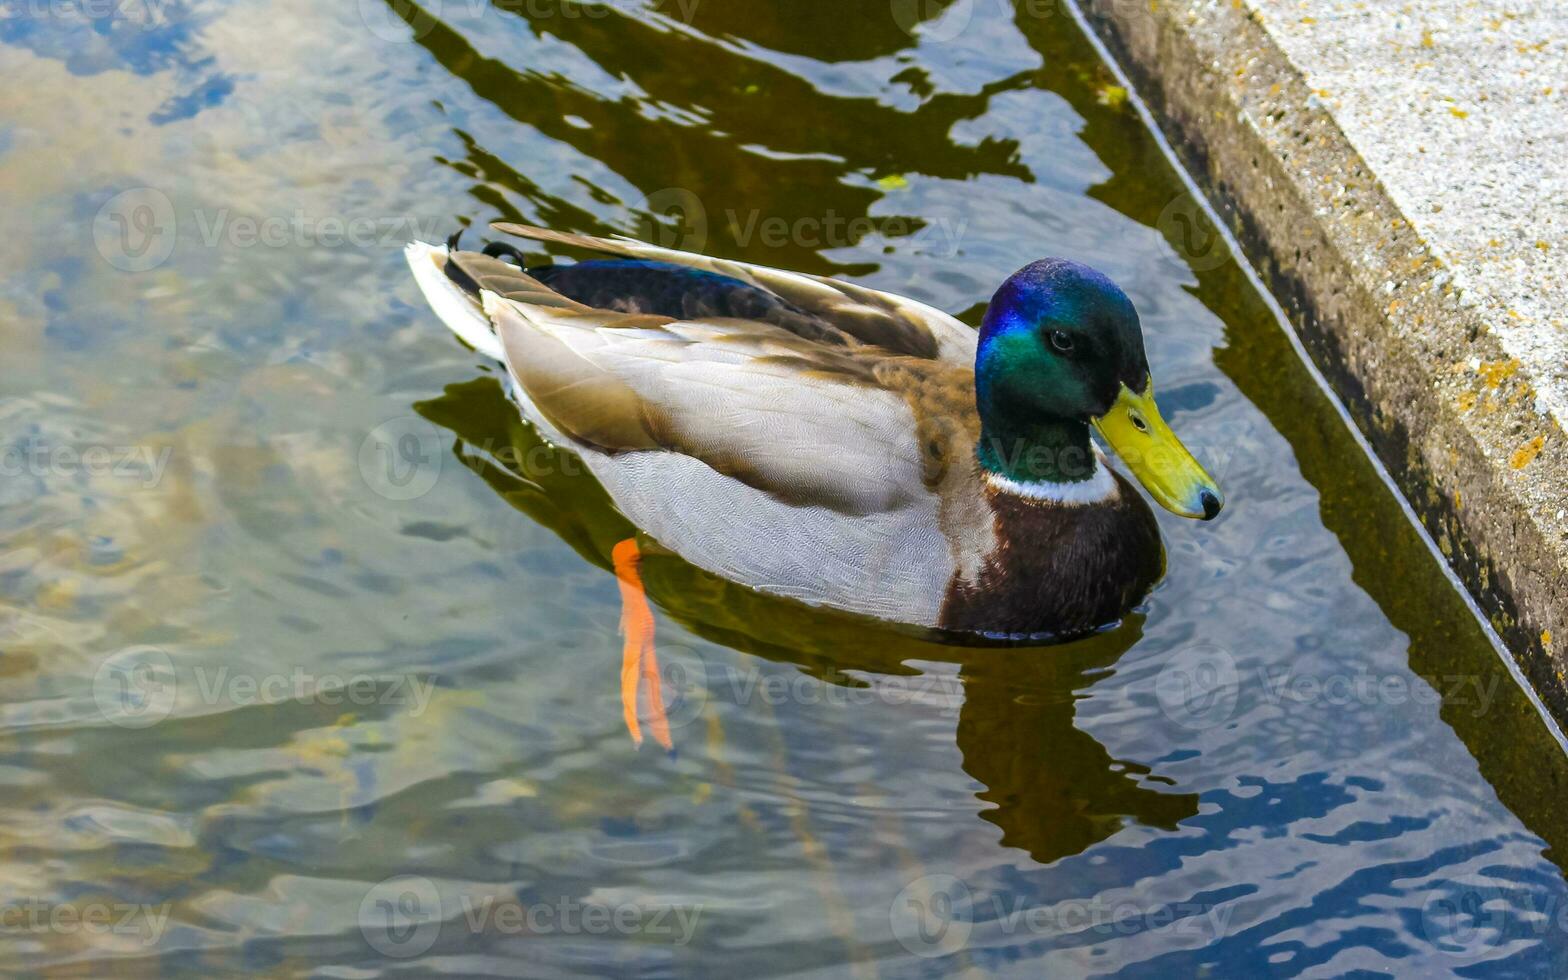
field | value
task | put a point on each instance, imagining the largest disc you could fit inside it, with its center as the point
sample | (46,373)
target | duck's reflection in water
(1052,788)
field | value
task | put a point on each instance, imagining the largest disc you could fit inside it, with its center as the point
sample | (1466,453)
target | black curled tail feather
(454,271)
(467,269)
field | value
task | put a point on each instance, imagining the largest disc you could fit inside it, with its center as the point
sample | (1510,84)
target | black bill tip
(1211,504)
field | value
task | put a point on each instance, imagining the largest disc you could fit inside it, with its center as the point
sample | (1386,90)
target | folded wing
(896,323)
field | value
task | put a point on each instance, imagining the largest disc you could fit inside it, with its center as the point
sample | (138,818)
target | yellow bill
(1134,429)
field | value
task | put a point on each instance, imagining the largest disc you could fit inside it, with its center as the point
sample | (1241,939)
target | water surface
(308,647)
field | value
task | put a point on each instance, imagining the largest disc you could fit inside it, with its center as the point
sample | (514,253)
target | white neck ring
(1100,486)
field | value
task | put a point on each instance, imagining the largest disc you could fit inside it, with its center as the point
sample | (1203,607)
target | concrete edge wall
(1422,375)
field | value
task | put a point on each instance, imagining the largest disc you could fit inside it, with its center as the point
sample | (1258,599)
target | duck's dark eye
(1061,341)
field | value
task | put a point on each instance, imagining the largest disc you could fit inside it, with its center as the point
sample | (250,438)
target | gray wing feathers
(707,389)
(895,322)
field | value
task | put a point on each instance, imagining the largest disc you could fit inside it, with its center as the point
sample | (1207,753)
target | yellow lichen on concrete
(1526,453)
(1494,373)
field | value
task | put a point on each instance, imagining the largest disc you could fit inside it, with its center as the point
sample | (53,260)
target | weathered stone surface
(1397,176)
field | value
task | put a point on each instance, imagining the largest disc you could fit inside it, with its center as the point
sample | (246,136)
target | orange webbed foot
(639,662)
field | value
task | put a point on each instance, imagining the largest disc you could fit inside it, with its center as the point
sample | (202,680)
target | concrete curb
(1448,411)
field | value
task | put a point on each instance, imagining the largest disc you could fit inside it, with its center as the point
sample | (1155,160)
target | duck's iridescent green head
(1061,349)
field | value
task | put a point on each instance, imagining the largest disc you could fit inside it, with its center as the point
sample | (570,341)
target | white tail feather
(460,311)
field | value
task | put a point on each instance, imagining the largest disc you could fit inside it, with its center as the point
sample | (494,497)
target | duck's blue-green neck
(1032,426)
(1032,451)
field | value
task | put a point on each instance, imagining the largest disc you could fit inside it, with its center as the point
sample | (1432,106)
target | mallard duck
(834,444)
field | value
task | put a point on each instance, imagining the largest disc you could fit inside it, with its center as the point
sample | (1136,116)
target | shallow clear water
(310,649)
